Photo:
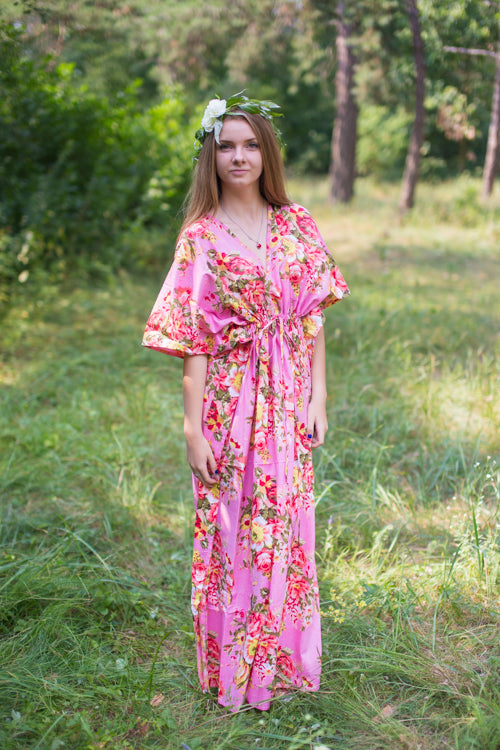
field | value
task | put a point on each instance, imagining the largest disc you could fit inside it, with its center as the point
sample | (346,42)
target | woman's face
(238,158)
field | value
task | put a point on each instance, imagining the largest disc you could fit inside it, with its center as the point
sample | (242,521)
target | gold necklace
(255,241)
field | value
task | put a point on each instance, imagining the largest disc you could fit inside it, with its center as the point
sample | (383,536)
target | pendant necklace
(255,241)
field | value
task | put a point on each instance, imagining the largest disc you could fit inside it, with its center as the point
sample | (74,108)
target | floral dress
(254,586)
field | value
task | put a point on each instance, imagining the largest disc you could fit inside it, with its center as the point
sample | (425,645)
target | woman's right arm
(199,453)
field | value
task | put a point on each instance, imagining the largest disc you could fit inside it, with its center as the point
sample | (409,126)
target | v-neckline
(262,263)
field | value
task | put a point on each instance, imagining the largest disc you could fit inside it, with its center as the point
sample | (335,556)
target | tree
(458,101)
(493,149)
(493,144)
(355,78)
(106,44)
(343,164)
(372,53)
(410,176)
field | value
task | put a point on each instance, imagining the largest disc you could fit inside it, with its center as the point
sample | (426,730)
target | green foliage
(97,104)
(106,44)
(77,170)
(382,140)
(283,51)
(459,85)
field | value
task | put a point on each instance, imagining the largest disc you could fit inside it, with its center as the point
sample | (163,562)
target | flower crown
(218,108)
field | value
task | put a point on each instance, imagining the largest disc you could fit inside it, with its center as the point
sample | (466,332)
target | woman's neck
(243,205)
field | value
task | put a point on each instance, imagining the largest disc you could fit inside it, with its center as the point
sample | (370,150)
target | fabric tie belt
(286,329)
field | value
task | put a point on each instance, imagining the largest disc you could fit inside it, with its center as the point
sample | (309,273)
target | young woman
(242,305)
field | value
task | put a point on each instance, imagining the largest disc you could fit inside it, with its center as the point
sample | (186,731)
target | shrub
(382,141)
(78,171)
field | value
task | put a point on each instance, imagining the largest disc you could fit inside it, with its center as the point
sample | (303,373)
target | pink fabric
(254,585)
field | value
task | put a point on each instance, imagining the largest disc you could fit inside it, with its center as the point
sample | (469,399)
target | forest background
(391,124)
(95,95)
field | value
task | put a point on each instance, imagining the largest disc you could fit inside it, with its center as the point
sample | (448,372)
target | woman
(242,304)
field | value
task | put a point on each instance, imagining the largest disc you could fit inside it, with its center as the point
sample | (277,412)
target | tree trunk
(493,148)
(410,176)
(343,165)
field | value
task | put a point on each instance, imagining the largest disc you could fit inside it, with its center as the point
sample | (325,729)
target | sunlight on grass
(97,649)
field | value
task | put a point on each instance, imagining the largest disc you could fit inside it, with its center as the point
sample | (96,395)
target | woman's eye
(253,145)
(224,147)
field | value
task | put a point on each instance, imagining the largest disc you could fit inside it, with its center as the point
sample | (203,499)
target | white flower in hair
(215,108)
(212,119)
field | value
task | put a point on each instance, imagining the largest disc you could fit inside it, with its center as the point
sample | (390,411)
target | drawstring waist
(286,329)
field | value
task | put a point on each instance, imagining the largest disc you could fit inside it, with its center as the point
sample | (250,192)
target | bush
(78,171)
(382,141)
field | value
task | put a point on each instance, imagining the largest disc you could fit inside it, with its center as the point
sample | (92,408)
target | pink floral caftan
(254,585)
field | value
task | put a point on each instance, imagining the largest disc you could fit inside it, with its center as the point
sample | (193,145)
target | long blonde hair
(204,194)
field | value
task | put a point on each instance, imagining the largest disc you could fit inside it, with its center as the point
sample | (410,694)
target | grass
(96,649)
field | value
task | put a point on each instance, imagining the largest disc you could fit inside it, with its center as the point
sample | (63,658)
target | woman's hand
(317,423)
(199,453)
(201,459)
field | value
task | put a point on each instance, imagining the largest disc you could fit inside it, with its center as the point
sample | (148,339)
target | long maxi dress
(254,587)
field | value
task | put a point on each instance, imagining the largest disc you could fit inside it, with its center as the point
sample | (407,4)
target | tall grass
(96,648)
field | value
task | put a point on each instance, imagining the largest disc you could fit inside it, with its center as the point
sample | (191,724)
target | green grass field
(96,649)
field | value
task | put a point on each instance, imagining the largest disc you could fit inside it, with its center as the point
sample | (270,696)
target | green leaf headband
(218,108)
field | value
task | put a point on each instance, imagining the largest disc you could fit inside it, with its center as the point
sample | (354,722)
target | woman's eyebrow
(231,143)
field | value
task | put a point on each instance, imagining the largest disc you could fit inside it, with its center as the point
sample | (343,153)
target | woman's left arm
(317,423)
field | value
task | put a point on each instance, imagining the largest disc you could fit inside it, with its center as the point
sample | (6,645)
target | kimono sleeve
(326,284)
(312,323)
(183,320)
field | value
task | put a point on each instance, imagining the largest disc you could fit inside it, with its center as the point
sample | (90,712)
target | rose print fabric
(254,586)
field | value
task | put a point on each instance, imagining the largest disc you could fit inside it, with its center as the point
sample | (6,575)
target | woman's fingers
(202,462)
(317,440)
(204,474)
(316,430)
(212,465)
(205,478)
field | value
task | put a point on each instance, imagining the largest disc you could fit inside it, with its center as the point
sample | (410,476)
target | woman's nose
(238,153)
